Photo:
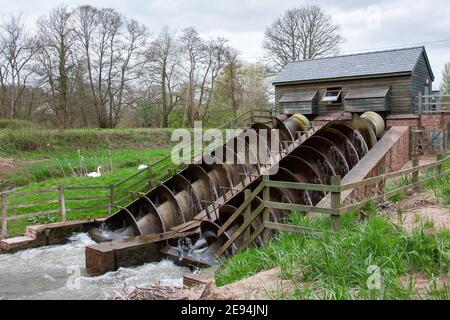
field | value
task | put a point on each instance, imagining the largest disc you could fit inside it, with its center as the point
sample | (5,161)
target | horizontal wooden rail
(87,208)
(387,176)
(33,204)
(87,188)
(299,207)
(13,194)
(291,228)
(87,198)
(301,186)
(32,215)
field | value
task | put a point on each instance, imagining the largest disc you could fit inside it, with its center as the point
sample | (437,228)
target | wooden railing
(57,201)
(433,103)
(335,209)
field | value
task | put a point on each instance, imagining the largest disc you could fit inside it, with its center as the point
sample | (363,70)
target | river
(58,272)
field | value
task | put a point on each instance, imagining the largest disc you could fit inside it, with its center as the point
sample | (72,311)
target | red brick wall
(437,121)
(399,155)
(393,160)
(402,120)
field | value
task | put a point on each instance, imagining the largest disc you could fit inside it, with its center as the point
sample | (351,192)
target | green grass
(125,164)
(67,163)
(16,124)
(335,264)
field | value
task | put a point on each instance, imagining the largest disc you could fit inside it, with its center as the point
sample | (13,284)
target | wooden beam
(297,207)
(241,229)
(291,228)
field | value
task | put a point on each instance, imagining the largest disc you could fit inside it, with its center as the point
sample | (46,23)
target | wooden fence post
(439,157)
(247,214)
(62,203)
(4,215)
(415,175)
(382,184)
(336,202)
(112,198)
(150,177)
(266,211)
(420,103)
(448,136)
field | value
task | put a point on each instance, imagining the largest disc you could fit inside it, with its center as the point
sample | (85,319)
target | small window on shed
(332,95)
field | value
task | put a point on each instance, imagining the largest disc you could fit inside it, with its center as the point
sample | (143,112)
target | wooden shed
(383,81)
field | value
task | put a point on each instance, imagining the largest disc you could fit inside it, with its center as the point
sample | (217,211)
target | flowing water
(58,272)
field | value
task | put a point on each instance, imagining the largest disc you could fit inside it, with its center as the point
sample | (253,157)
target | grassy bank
(30,143)
(71,164)
(33,159)
(339,264)
(336,264)
(31,154)
(124,162)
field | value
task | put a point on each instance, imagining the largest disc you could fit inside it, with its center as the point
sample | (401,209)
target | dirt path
(262,286)
(8,165)
(418,208)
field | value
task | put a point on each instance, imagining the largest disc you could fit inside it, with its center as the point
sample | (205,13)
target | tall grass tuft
(335,264)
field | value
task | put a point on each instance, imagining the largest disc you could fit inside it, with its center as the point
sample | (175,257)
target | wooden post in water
(4,215)
(266,211)
(62,203)
(336,203)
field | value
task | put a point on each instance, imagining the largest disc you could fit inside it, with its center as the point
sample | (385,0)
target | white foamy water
(52,273)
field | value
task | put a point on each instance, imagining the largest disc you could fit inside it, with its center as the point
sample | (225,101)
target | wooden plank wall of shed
(419,78)
(400,91)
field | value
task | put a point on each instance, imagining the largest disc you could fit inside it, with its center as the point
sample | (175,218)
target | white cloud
(402,22)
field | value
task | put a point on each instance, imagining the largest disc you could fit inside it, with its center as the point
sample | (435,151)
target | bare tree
(17,50)
(301,33)
(213,63)
(113,50)
(256,86)
(232,75)
(194,49)
(56,62)
(164,71)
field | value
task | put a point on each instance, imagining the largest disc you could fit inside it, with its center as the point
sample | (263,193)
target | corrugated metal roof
(300,96)
(365,93)
(361,64)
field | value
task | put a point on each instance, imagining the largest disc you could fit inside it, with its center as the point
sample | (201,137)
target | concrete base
(47,234)
(133,251)
(110,256)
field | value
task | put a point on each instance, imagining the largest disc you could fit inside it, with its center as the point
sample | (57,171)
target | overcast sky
(367,25)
